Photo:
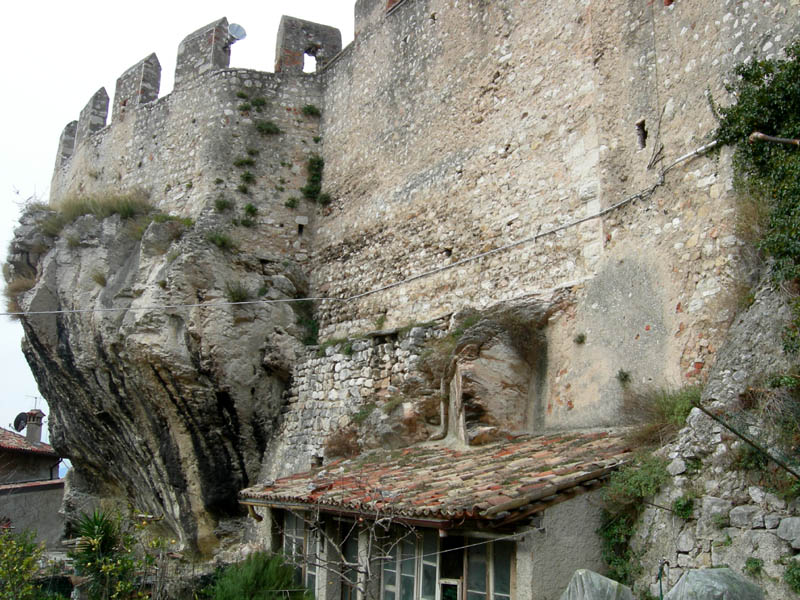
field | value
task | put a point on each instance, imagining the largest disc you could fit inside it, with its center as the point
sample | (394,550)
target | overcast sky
(58,54)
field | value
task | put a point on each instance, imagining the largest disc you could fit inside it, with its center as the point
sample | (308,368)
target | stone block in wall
(66,143)
(297,37)
(138,85)
(93,116)
(207,49)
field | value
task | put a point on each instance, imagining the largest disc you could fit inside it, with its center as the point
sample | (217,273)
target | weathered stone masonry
(483,123)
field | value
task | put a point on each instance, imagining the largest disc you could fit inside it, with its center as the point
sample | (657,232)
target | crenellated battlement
(138,85)
(208,48)
(156,143)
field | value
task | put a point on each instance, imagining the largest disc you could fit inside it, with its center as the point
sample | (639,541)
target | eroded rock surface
(167,406)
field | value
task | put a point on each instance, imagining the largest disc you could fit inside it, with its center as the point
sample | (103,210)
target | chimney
(33,426)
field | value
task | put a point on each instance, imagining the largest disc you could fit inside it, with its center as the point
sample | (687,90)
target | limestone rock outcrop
(160,392)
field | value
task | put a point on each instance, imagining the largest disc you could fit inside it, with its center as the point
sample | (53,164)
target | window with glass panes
(349,580)
(301,545)
(488,571)
(412,568)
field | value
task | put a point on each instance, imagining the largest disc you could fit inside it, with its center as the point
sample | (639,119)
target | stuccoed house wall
(30,489)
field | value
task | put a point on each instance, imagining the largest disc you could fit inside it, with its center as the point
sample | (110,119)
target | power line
(641,195)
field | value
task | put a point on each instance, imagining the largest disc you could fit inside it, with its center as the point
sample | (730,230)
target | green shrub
(623,500)
(162,218)
(221,240)
(292,202)
(247,222)
(580,338)
(252,151)
(615,534)
(259,103)
(747,458)
(363,413)
(720,521)
(753,567)
(250,209)
(310,110)
(235,291)
(792,575)
(683,507)
(242,188)
(304,313)
(244,162)
(218,181)
(624,377)
(247,177)
(244,107)
(99,278)
(317,139)
(222,204)
(242,95)
(19,554)
(633,482)
(767,94)
(392,403)
(324,199)
(267,128)
(314,169)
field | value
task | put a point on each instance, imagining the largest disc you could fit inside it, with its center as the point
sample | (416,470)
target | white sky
(58,54)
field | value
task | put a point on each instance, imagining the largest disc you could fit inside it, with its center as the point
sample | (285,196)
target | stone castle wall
(332,386)
(452,129)
(180,149)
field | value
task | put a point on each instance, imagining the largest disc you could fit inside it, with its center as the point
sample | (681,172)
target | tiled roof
(14,441)
(499,483)
(30,486)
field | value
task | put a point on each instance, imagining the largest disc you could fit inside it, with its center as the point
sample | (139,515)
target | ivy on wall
(767,100)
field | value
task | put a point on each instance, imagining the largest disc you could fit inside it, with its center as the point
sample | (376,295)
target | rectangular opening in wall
(641,133)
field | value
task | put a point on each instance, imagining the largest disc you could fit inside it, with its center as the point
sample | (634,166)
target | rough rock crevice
(169,409)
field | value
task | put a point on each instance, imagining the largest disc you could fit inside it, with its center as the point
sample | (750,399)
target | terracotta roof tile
(14,441)
(440,482)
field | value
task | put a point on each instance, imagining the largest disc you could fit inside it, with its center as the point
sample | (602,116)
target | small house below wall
(30,489)
(496,522)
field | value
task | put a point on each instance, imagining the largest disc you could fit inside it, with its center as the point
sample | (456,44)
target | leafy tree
(19,554)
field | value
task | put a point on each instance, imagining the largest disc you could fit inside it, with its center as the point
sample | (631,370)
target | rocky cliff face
(740,518)
(166,406)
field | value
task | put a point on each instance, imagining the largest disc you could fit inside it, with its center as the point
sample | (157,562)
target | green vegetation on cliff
(767,94)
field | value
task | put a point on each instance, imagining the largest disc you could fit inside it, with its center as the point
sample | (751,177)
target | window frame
(490,549)
(311,545)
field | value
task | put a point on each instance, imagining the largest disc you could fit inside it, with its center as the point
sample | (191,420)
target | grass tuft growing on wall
(127,206)
(658,413)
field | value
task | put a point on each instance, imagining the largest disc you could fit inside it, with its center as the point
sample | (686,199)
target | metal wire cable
(425,274)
